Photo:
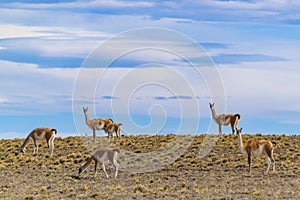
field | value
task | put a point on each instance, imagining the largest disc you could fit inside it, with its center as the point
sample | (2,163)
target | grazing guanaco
(102,155)
(257,148)
(111,128)
(96,124)
(224,119)
(40,134)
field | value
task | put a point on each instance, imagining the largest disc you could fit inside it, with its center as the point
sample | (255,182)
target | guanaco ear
(238,130)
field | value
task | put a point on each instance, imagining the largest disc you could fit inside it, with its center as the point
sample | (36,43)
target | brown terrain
(147,172)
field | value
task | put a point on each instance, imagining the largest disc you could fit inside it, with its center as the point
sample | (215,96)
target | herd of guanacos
(104,155)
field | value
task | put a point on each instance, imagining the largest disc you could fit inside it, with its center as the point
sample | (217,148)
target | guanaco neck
(214,114)
(25,142)
(240,143)
(87,120)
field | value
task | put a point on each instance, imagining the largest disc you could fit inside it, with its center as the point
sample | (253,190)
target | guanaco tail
(102,155)
(257,148)
(40,134)
(96,124)
(224,119)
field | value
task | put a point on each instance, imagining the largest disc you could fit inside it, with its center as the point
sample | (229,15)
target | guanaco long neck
(87,120)
(89,161)
(25,142)
(214,114)
(240,143)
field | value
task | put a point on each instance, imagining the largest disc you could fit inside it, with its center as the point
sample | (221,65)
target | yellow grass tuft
(43,190)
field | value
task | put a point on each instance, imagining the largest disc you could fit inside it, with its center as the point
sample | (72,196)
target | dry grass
(222,174)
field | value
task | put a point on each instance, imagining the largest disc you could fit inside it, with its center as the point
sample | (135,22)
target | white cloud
(12,135)
(252,90)
(51,41)
(250,5)
(31,89)
(28,88)
(265,11)
(259,92)
(83,4)
(3,100)
(9,31)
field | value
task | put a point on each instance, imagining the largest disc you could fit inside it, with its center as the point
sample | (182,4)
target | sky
(151,65)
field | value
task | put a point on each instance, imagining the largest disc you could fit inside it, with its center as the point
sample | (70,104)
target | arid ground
(221,174)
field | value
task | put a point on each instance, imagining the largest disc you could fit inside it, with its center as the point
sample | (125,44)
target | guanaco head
(238,131)
(22,150)
(211,105)
(80,170)
(19,150)
(85,109)
(107,122)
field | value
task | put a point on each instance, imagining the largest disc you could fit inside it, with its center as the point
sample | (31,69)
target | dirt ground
(147,171)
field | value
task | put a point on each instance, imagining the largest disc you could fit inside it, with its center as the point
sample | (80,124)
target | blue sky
(254,45)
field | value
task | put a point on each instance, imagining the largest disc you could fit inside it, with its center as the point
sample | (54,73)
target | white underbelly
(258,151)
(40,136)
(104,158)
(244,152)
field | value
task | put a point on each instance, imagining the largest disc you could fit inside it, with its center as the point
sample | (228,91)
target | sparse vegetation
(222,174)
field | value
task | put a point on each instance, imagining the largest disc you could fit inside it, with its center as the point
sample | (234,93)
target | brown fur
(224,119)
(96,124)
(111,128)
(39,134)
(256,148)
(102,155)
